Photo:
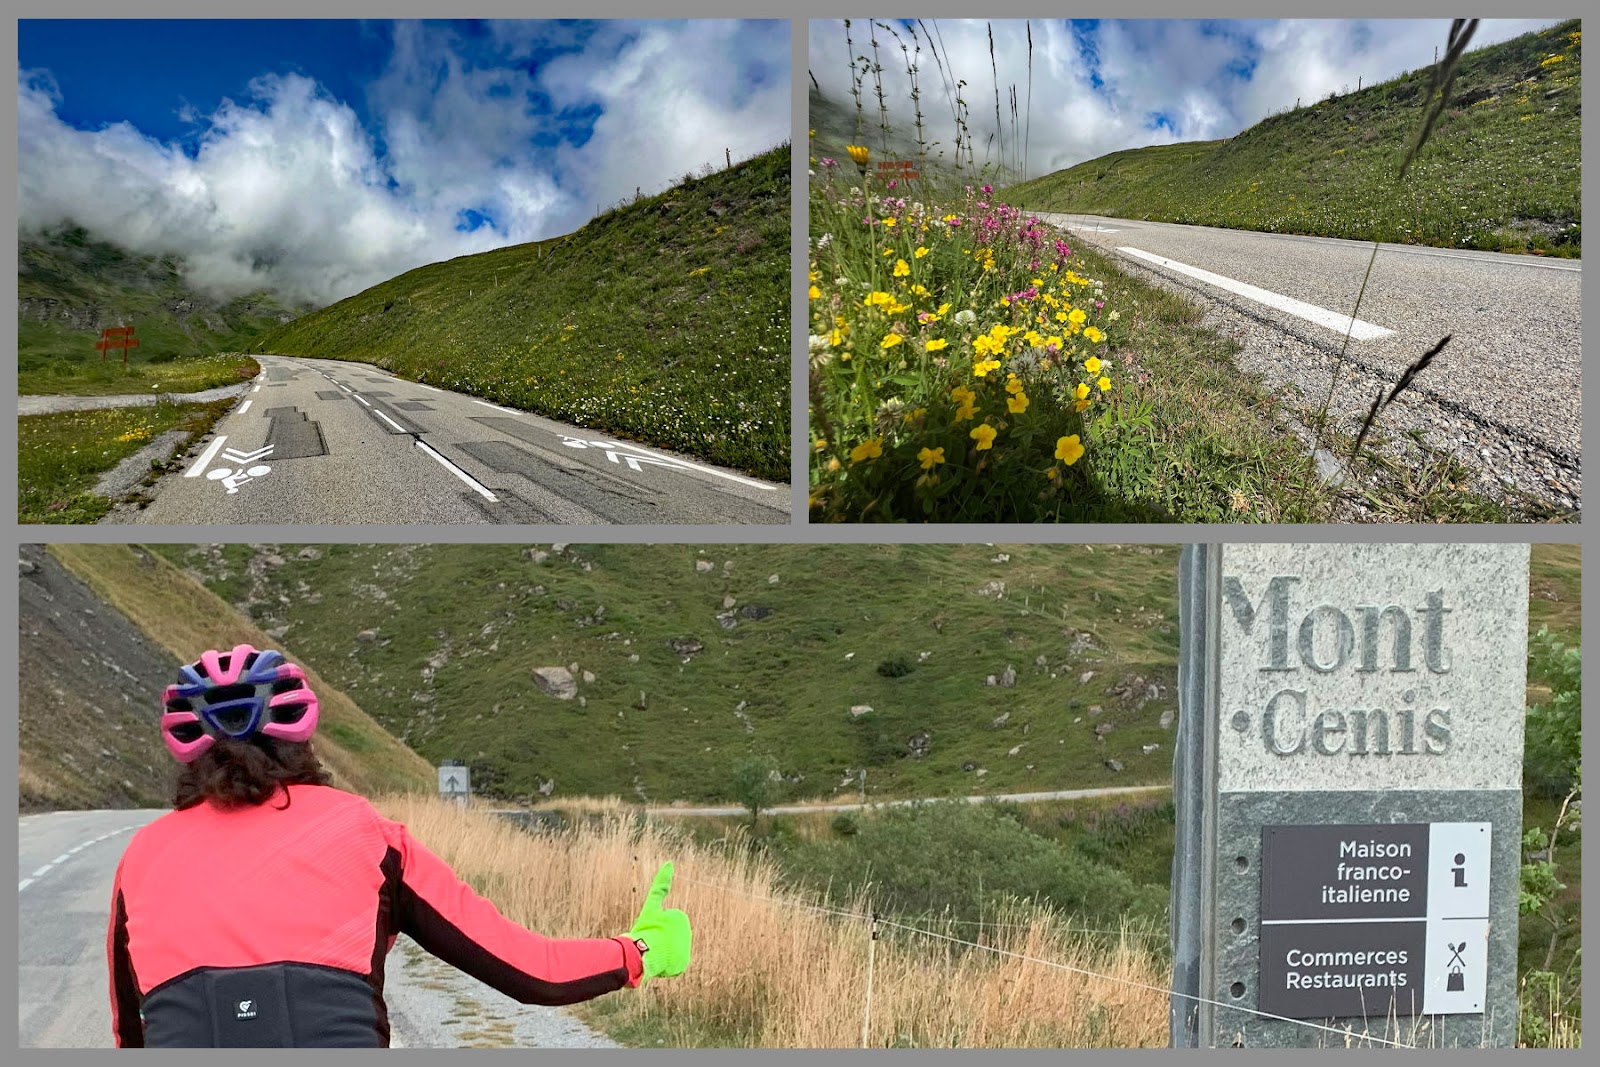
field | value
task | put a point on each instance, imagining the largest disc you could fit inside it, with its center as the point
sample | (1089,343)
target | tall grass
(771,970)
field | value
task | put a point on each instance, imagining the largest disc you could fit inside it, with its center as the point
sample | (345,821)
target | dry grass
(771,972)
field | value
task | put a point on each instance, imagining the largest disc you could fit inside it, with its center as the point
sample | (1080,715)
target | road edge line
(1358,329)
(199,465)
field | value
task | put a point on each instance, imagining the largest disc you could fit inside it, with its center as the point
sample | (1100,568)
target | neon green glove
(664,931)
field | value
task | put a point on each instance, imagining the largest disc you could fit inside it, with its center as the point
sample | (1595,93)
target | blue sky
(1104,85)
(322,156)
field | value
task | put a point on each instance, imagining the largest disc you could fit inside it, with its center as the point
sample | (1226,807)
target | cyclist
(259,912)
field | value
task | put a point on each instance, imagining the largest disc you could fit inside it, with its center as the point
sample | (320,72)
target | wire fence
(874,921)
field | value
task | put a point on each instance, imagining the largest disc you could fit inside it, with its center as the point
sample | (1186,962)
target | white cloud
(1180,69)
(287,190)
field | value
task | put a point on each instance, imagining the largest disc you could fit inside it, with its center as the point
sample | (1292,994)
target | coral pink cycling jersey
(269,925)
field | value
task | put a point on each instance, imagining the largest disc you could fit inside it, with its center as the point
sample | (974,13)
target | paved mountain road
(1512,372)
(326,441)
(1014,798)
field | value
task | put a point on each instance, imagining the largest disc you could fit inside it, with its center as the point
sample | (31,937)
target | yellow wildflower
(1093,334)
(859,153)
(869,449)
(890,340)
(1104,384)
(982,369)
(815,293)
(930,458)
(937,344)
(1069,450)
(984,435)
(1081,392)
(1018,404)
(920,252)
(901,268)
(1092,364)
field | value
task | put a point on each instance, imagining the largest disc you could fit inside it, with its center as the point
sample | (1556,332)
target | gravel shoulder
(52,405)
(433,1005)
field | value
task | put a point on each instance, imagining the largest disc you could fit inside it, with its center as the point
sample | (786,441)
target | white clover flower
(966,316)
(825,240)
(818,342)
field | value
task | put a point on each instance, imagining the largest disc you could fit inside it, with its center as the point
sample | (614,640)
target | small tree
(757,784)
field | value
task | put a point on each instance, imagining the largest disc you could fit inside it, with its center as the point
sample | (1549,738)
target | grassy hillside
(1501,171)
(71,285)
(178,616)
(438,642)
(666,320)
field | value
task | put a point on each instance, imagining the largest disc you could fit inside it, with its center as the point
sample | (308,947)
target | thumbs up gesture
(664,931)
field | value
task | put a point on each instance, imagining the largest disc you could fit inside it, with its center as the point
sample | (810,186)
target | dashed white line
(64,857)
(25,883)
(245,406)
(497,407)
(481,489)
(205,459)
(257,389)
(42,871)
(429,388)
(1332,320)
(391,422)
(363,400)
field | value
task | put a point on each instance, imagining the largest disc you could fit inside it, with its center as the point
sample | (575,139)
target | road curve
(66,861)
(1510,379)
(326,441)
(52,404)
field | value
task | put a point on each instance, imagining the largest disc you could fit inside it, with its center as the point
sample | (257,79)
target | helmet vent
(186,732)
(287,713)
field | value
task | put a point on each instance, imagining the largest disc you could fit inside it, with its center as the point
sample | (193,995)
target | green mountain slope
(104,627)
(1501,171)
(71,285)
(439,643)
(666,320)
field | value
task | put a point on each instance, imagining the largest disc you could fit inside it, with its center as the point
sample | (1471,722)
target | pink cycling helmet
(236,695)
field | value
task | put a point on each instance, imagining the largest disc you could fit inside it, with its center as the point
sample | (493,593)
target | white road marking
(245,457)
(42,871)
(64,857)
(391,422)
(363,400)
(1332,320)
(245,406)
(430,388)
(205,458)
(481,489)
(25,883)
(497,407)
(257,389)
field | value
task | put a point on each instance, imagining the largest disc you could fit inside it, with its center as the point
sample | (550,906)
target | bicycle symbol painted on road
(633,461)
(233,478)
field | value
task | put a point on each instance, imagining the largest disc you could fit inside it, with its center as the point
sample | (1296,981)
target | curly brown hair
(240,774)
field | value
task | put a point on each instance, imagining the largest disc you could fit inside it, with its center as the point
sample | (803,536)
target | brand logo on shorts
(247,1009)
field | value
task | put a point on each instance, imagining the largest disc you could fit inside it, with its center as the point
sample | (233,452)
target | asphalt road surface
(65,865)
(66,861)
(324,441)
(1514,362)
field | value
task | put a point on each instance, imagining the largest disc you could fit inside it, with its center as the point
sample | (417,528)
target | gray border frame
(799,531)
